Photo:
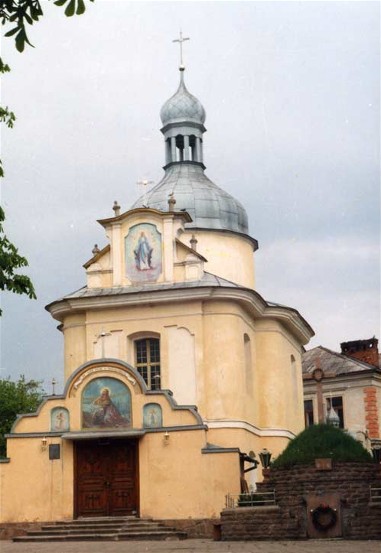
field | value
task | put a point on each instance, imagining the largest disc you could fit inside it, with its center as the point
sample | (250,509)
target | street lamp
(265,457)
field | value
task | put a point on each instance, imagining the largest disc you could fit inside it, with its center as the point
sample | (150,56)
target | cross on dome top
(180,41)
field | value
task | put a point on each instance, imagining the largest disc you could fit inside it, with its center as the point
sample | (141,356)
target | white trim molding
(243,425)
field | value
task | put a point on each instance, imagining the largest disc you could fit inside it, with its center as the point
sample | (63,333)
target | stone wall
(12,529)
(195,528)
(295,488)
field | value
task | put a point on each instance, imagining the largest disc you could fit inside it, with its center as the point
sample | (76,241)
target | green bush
(322,441)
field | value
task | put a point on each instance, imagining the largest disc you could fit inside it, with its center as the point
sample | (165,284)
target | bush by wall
(322,441)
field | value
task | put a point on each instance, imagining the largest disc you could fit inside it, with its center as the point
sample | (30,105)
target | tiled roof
(208,279)
(331,362)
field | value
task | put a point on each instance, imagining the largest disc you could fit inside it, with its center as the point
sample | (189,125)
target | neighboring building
(175,367)
(350,388)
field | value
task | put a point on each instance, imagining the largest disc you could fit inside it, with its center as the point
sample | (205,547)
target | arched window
(147,359)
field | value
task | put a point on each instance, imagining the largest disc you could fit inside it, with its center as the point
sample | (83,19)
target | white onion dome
(182,106)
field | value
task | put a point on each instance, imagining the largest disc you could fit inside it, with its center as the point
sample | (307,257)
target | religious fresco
(143,253)
(152,415)
(106,403)
(59,420)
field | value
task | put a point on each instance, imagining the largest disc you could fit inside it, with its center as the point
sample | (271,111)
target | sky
(291,93)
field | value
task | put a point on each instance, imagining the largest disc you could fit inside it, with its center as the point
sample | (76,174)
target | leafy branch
(10,261)
(28,12)
(18,14)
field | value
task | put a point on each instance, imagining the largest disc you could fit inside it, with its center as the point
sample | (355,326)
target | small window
(337,404)
(308,412)
(148,361)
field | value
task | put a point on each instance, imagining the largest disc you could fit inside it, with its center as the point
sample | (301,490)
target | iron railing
(250,499)
(375,495)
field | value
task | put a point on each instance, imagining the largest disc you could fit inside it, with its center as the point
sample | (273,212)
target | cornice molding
(244,425)
(250,300)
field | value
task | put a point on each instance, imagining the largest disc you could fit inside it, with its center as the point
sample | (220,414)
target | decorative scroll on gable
(189,263)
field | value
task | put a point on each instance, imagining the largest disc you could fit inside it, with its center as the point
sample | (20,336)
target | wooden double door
(106,478)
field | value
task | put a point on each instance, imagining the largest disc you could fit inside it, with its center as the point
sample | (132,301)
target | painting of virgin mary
(143,253)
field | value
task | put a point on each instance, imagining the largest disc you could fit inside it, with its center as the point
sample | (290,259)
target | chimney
(363,350)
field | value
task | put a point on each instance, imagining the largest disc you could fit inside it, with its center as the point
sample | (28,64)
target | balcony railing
(251,499)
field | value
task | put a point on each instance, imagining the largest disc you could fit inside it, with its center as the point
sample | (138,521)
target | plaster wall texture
(43,491)
(228,255)
(213,377)
(231,257)
(241,369)
(179,477)
(52,499)
(280,376)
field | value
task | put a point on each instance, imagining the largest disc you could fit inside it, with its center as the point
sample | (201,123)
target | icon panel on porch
(152,415)
(106,403)
(59,419)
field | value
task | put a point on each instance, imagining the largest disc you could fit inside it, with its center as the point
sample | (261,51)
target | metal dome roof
(182,106)
(208,205)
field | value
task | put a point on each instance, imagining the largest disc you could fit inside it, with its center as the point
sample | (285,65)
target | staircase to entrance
(103,529)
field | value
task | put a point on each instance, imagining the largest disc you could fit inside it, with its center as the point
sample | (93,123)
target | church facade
(176,369)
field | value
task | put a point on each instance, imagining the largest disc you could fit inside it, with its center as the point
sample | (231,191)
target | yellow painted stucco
(232,360)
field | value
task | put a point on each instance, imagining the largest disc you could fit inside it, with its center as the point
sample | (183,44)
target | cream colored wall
(228,256)
(281,406)
(203,364)
(74,334)
(44,491)
(224,366)
(182,364)
(248,441)
(188,484)
(33,488)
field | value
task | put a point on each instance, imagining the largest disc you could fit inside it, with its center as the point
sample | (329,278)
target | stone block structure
(357,514)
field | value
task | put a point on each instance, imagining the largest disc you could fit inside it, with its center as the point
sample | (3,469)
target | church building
(177,372)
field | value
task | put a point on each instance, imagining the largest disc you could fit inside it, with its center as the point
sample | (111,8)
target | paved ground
(196,546)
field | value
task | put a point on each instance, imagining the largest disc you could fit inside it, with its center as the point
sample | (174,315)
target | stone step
(66,537)
(83,525)
(159,535)
(72,531)
(88,529)
(103,529)
(100,527)
(102,520)
(125,536)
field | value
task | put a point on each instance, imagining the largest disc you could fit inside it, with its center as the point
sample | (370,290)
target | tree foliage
(18,14)
(23,396)
(10,262)
(322,441)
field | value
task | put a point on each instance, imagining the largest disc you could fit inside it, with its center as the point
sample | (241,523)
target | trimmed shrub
(322,441)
